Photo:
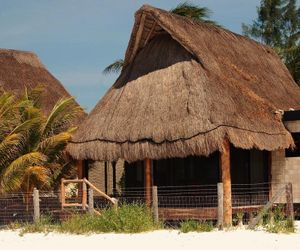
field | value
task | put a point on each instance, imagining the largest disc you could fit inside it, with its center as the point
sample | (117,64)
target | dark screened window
(296,151)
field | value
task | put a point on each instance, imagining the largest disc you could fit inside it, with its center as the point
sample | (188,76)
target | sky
(77,39)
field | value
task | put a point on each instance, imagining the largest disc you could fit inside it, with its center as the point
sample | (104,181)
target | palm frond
(36,94)
(12,175)
(115,67)
(61,116)
(191,10)
(53,145)
(196,12)
(26,125)
(35,176)
(9,148)
(32,145)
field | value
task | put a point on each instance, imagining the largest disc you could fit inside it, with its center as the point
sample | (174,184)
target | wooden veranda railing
(84,183)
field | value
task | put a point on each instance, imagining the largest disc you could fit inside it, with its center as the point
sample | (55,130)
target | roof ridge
(27,57)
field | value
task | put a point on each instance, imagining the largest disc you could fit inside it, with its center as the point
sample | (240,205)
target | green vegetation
(133,218)
(276,222)
(195,226)
(31,143)
(196,12)
(278,25)
(137,218)
(238,219)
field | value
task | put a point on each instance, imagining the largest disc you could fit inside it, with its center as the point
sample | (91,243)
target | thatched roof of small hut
(184,88)
(20,70)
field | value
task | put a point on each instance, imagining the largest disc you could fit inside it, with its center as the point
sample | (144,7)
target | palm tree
(196,12)
(186,9)
(115,67)
(291,58)
(32,144)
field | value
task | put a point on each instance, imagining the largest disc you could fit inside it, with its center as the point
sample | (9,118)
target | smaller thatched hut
(190,90)
(22,69)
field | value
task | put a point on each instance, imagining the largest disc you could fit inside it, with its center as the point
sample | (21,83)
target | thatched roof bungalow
(189,89)
(22,69)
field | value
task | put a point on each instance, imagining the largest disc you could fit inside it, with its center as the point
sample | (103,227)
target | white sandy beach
(164,239)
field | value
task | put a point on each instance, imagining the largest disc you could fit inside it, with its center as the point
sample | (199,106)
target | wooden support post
(115,205)
(155,203)
(105,176)
(84,196)
(289,203)
(80,171)
(270,174)
(91,201)
(148,182)
(80,175)
(226,180)
(62,193)
(220,206)
(114,178)
(36,205)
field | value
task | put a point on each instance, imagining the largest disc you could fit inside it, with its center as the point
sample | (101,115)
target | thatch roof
(184,88)
(20,70)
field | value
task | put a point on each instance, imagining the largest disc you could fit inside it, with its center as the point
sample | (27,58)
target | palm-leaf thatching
(186,86)
(21,69)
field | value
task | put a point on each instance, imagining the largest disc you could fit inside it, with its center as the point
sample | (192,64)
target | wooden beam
(100,192)
(150,33)
(289,204)
(220,206)
(138,37)
(155,203)
(79,165)
(226,179)
(148,181)
(84,196)
(72,181)
(36,205)
(62,193)
(270,174)
(80,175)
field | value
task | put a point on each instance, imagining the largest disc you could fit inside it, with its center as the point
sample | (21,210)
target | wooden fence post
(62,193)
(220,206)
(36,205)
(289,203)
(91,201)
(84,195)
(155,203)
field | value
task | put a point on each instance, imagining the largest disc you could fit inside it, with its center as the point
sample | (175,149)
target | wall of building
(96,175)
(285,170)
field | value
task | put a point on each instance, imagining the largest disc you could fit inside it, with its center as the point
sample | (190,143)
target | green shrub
(133,218)
(238,219)
(195,226)
(276,222)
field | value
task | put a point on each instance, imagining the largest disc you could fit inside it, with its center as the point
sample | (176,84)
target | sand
(236,239)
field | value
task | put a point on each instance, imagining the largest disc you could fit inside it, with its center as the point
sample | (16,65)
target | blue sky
(76,39)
